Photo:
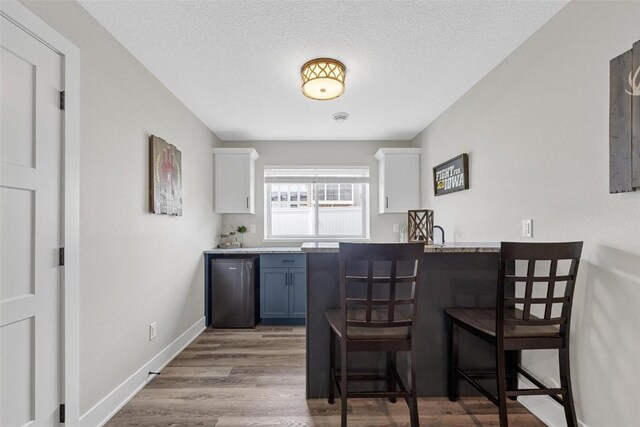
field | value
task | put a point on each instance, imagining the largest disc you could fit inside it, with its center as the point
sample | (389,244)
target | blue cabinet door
(297,293)
(274,293)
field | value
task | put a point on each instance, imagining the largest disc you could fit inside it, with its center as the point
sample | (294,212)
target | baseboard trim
(548,410)
(102,411)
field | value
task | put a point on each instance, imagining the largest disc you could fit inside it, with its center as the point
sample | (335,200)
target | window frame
(314,203)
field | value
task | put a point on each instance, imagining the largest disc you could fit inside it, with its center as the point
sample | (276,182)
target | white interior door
(30,231)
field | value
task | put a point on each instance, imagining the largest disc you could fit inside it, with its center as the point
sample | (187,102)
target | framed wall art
(451,176)
(165,177)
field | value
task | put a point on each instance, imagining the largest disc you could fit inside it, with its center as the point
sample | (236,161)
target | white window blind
(315,175)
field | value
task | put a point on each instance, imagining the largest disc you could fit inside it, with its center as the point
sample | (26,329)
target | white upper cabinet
(399,179)
(234,181)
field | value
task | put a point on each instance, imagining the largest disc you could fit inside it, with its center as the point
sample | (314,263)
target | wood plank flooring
(245,378)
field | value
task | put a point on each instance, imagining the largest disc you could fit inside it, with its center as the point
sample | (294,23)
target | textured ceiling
(236,64)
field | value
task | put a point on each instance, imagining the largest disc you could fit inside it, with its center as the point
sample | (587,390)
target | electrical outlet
(396,228)
(153,330)
(252,229)
(527,228)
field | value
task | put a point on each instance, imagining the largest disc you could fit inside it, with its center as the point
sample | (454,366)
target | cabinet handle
(387,199)
(288,279)
(247,203)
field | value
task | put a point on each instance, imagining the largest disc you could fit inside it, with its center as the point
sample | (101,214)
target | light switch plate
(153,331)
(527,228)
(252,228)
(396,228)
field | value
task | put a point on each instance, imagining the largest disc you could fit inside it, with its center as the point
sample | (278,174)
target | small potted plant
(241,229)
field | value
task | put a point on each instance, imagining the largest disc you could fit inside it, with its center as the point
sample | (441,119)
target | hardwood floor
(257,378)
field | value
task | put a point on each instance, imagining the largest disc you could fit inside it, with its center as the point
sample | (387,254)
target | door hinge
(61,257)
(62,413)
(62,100)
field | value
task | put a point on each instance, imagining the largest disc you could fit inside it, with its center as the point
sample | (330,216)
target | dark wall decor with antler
(624,121)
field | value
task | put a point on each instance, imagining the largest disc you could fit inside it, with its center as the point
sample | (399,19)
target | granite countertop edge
(458,247)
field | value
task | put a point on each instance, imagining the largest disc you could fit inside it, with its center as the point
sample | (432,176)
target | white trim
(102,411)
(250,151)
(548,410)
(70,56)
(397,150)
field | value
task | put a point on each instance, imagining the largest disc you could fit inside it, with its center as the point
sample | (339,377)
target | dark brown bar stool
(378,300)
(514,328)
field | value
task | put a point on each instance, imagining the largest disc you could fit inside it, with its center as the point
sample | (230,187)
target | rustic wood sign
(624,121)
(451,176)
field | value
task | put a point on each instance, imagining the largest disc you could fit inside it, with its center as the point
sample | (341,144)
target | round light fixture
(323,79)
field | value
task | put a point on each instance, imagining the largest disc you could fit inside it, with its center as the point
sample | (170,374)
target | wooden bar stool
(513,327)
(378,300)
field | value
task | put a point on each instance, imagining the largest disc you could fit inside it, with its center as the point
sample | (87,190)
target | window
(317,203)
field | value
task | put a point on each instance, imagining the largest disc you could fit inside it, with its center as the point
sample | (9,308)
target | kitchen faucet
(441,231)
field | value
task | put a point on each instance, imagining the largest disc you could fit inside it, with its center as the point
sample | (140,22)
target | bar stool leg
(332,364)
(391,379)
(513,361)
(565,383)
(452,384)
(501,369)
(344,387)
(415,419)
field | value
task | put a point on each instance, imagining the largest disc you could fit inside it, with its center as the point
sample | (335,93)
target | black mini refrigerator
(234,294)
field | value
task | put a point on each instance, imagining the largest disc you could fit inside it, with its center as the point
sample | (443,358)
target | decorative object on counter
(624,121)
(403,234)
(228,241)
(165,178)
(421,226)
(451,176)
(241,229)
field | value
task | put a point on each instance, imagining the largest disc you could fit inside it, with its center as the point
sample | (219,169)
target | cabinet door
(274,293)
(233,183)
(297,293)
(401,183)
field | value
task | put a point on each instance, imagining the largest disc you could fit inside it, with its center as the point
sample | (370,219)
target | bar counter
(452,275)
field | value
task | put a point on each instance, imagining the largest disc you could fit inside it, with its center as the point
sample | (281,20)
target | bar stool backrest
(539,287)
(371,275)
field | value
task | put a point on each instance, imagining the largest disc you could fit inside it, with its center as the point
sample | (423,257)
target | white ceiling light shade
(323,79)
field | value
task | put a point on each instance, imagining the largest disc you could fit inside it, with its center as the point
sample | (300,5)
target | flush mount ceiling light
(323,79)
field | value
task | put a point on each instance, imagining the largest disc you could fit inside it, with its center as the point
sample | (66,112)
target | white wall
(135,267)
(536,130)
(316,153)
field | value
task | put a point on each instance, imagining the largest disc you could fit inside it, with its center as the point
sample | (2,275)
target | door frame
(69,326)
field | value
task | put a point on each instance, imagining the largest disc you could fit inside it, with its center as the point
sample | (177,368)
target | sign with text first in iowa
(451,176)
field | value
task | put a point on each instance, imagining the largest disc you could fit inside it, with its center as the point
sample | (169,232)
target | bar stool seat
(483,320)
(362,333)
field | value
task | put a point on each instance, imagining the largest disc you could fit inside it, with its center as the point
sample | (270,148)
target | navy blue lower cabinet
(297,293)
(283,287)
(274,293)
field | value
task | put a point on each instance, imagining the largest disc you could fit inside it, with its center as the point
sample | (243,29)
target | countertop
(457,247)
(332,247)
(257,250)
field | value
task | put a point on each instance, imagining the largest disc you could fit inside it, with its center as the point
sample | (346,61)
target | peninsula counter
(453,275)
